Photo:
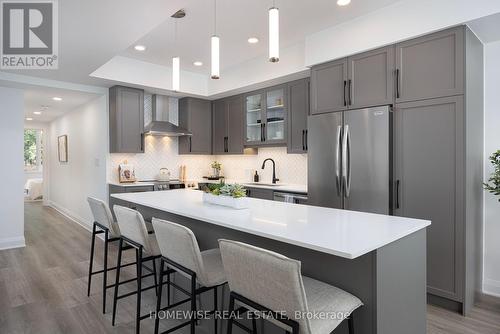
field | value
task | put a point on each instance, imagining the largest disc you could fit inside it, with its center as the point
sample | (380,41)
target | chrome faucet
(274,168)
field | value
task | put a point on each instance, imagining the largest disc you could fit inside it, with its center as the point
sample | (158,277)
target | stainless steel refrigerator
(349,160)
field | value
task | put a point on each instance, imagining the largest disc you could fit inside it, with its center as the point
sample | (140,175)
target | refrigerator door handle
(345,161)
(348,162)
(337,159)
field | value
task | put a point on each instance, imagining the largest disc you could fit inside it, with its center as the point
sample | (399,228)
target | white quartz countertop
(343,233)
(132,184)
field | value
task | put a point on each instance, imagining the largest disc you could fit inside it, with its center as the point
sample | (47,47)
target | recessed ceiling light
(253,40)
(197,63)
(343,2)
(37,112)
(55,98)
(140,48)
(29,118)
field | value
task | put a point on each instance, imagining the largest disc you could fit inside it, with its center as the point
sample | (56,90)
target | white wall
(402,20)
(491,281)
(85,172)
(11,168)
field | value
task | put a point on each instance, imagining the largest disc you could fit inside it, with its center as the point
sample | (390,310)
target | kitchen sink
(263,184)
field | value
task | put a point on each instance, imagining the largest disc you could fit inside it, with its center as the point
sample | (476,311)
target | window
(33,149)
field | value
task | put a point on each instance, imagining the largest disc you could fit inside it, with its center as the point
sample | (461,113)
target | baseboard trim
(491,287)
(9,243)
(71,216)
(448,304)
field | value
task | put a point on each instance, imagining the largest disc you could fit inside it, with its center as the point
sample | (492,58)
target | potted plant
(216,167)
(493,185)
(231,195)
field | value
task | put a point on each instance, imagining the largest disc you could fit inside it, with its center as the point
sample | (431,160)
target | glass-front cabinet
(253,108)
(266,116)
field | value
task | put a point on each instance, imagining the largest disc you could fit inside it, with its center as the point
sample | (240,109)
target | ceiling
(40,99)
(237,21)
(92,34)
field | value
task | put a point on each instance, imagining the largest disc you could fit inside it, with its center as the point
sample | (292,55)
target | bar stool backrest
(132,226)
(178,243)
(102,215)
(267,278)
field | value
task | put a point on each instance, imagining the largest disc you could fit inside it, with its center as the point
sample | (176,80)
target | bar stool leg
(168,287)
(193,303)
(117,280)
(155,277)
(92,245)
(350,324)
(138,253)
(231,310)
(215,310)
(158,299)
(105,273)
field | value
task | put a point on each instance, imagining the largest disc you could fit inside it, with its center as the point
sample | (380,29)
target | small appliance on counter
(164,175)
(214,178)
(126,173)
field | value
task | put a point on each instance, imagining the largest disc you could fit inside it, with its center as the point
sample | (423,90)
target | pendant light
(215,45)
(274,34)
(176,61)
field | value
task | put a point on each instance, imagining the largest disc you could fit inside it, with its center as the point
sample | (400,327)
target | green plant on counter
(216,165)
(222,189)
(493,185)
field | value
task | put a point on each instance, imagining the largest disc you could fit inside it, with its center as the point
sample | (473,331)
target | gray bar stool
(103,224)
(283,289)
(135,234)
(180,251)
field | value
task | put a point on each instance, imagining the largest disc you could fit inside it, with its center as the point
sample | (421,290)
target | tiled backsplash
(163,152)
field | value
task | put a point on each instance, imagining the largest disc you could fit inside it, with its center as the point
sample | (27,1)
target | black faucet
(274,168)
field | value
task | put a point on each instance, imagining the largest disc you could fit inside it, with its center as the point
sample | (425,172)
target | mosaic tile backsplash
(163,152)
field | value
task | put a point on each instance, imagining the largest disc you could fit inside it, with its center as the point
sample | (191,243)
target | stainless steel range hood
(160,124)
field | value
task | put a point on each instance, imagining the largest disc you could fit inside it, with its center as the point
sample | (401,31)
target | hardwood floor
(43,287)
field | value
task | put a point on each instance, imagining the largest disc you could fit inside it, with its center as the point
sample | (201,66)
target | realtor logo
(29,34)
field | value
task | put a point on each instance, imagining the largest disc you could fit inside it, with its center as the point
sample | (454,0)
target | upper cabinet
(363,80)
(126,120)
(431,66)
(228,126)
(195,115)
(265,117)
(298,110)
(328,87)
(371,78)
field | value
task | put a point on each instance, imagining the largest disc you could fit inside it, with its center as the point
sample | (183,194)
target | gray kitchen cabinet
(219,127)
(228,125)
(298,110)
(260,193)
(195,115)
(371,78)
(235,131)
(126,120)
(428,174)
(430,66)
(328,87)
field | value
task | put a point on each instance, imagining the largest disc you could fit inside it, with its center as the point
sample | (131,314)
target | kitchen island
(380,259)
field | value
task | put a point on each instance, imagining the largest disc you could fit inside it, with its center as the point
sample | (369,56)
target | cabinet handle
(142,142)
(190,144)
(397,83)
(397,194)
(345,101)
(350,92)
(261,132)
(264,131)
(226,146)
(303,140)
(307,139)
